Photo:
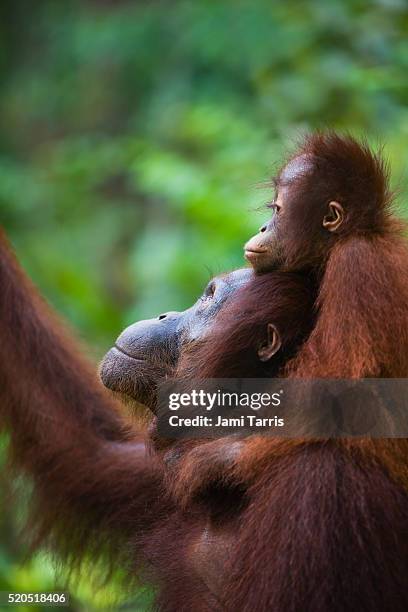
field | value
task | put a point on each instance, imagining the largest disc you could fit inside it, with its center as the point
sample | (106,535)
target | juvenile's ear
(272,344)
(335,216)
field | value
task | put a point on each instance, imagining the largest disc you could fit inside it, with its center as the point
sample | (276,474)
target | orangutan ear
(334,218)
(272,344)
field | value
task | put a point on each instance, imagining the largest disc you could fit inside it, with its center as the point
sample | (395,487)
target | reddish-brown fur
(230,351)
(361,328)
(66,432)
(292,525)
(321,525)
(98,490)
(342,169)
(362,324)
(326,523)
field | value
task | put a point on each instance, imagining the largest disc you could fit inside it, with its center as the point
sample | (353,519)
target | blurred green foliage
(134,135)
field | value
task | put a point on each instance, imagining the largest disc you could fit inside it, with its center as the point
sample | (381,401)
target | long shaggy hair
(230,349)
(339,168)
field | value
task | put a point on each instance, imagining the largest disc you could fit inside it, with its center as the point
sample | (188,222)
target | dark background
(134,135)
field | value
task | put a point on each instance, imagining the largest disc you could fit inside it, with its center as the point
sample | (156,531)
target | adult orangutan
(333,221)
(287,526)
(97,488)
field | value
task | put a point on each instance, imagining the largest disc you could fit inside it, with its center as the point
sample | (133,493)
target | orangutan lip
(121,350)
(251,253)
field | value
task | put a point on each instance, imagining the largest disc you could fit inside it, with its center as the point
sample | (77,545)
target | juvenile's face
(264,251)
(268,250)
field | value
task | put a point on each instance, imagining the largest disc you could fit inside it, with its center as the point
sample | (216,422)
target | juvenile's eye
(274,206)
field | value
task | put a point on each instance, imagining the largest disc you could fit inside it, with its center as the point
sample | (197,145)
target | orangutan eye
(209,292)
(274,206)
